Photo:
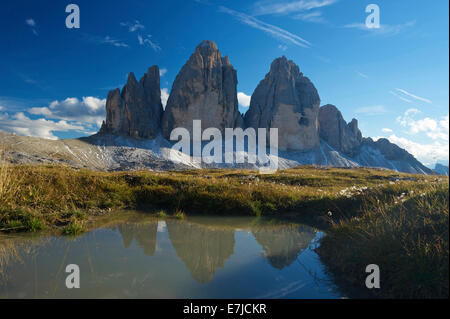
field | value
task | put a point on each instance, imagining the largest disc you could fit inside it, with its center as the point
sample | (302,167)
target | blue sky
(394,79)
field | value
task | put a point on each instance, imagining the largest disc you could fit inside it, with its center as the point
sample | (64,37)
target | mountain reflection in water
(145,235)
(203,249)
(283,244)
(139,256)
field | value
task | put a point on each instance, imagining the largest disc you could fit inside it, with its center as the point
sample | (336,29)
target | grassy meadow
(398,221)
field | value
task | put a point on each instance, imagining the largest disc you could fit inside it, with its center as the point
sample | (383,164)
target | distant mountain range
(441,169)
(136,130)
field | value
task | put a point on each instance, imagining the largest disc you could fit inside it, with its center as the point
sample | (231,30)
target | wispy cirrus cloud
(114,42)
(365,76)
(105,40)
(314,16)
(147,41)
(133,26)
(400,97)
(414,96)
(384,29)
(144,40)
(272,30)
(371,110)
(287,7)
(32,24)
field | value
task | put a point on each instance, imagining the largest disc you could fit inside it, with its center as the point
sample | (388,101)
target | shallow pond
(139,256)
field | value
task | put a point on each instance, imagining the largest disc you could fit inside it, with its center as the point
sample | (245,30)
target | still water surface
(138,256)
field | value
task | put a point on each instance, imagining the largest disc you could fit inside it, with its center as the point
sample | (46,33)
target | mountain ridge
(136,130)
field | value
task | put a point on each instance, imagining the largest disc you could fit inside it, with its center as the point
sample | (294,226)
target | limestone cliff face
(205,89)
(345,138)
(286,100)
(137,110)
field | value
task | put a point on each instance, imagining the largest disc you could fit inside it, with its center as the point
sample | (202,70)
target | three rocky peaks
(206,89)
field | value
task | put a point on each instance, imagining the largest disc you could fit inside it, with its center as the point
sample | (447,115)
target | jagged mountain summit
(137,110)
(343,137)
(346,139)
(286,100)
(205,89)
(136,131)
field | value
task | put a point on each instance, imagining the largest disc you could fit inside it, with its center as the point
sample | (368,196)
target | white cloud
(386,130)
(164,97)
(444,123)
(146,40)
(433,128)
(287,7)
(371,110)
(384,29)
(244,99)
(1,108)
(162,71)
(282,47)
(415,96)
(268,28)
(132,26)
(428,154)
(88,110)
(20,124)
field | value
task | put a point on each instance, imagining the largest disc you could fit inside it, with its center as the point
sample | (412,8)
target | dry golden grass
(51,194)
(400,218)
(406,235)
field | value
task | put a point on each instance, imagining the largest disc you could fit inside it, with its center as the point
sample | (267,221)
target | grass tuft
(405,234)
(73,229)
(179,214)
(161,214)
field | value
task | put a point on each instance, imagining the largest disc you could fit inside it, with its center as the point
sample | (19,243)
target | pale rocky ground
(112,153)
